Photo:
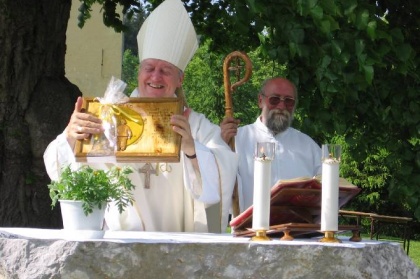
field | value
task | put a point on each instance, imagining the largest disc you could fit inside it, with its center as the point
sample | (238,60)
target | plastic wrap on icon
(105,144)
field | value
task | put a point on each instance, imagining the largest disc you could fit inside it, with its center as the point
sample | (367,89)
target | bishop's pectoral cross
(147,169)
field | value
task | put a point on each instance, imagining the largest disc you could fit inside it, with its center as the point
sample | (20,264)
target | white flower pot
(75,219)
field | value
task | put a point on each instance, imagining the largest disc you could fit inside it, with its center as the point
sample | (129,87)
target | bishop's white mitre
(168,34)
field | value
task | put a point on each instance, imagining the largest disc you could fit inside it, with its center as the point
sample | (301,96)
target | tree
(130,70)
(35,105)
(130,34)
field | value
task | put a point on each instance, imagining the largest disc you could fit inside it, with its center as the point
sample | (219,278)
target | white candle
(262,186)
(329,207)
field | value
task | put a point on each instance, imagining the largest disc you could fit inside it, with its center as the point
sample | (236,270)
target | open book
(295,201)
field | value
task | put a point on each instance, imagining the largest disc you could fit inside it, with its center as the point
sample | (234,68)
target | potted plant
(84,194)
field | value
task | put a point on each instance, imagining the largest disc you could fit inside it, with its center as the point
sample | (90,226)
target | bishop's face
(158,78)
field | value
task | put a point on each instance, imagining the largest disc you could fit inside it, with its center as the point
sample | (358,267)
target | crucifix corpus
(147,169)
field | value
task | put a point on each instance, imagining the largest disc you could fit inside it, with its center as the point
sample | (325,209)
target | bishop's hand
(82,124)
(181,126)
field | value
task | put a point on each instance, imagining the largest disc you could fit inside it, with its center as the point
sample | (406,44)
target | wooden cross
(147,169)
(237,68)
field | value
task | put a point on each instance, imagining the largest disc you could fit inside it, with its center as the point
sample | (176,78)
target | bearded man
(296,154)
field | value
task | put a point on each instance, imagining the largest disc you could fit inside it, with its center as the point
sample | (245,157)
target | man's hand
(229,128)
(181,126)
(81,124)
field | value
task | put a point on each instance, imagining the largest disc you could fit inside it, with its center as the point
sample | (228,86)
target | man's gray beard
(279,120)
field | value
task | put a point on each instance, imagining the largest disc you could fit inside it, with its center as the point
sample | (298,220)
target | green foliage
(129,70)
(111,17)
(358,76)
(130,34)
(93,187)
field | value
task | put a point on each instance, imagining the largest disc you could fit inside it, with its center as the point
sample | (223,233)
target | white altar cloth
(165,237)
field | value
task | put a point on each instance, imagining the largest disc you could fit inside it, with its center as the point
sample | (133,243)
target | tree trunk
(36,101)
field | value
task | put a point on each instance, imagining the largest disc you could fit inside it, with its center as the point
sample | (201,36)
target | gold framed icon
(136,131)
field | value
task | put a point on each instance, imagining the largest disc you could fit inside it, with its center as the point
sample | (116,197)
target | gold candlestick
(260,235)
(329,237)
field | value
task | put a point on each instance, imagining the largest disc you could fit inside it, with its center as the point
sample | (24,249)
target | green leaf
(297,35)
(317,12)
(336,46)
(371,30)
(326,61)
(404,52)
(292,49)
(414,106)
(397,35)
(331,75)
(325,26)
(360,47)
(331,7)
(368,73)
(349,6)
(304,7)
(362,19)
(345,57)
(332,88)
(251,4)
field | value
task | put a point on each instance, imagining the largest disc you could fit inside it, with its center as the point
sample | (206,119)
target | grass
(414,252)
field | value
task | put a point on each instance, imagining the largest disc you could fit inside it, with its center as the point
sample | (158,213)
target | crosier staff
(236,56)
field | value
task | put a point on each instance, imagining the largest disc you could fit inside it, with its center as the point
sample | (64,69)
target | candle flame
(263,156)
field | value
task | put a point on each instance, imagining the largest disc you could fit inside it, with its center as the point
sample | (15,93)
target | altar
(43,253)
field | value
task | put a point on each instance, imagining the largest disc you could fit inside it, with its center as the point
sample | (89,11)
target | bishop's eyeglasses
(274,100)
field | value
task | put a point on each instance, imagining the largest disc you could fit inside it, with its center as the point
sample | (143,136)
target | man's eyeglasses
(274,100)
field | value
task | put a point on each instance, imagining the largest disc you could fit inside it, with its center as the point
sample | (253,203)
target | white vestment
(178,196)
(296,155)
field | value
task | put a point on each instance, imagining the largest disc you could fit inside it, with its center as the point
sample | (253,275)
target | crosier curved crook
(229,89)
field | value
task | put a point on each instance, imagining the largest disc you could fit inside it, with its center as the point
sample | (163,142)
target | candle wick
(263,156)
